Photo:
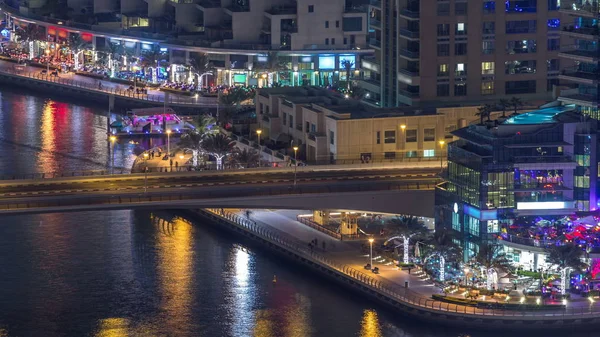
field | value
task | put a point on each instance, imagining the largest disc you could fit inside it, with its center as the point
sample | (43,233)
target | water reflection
(370,325)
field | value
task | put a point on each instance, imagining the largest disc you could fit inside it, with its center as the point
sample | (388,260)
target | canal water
(134,273)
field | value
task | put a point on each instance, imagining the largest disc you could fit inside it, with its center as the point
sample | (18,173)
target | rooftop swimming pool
(541,116)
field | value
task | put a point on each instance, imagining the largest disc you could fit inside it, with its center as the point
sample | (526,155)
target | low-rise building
(329,127)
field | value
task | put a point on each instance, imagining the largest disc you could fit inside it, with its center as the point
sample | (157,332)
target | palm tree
(219,146)
(204,125)
(347,65)
(114,52)
(200,64)
(516,103)
(406,227)
(356,92)
(153,58)
(491,257)
(566,257)
(77,44)
(248,158)
(442,244)
(484,111)
(29,34)
(234,97)
(272,65)
(503,104)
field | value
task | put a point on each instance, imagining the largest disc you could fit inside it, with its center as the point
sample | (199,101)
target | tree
(516,103)
(347,65)
(491,257)
(504,104)
(356,92)
(153,58)
(272,65)
(406,227)
(247,158)
(566,257)
(219,146)
(76,44)
(234,97)
(484,111)
(114,52)
(200,64)
(204,125)
(442,244)
(28,34)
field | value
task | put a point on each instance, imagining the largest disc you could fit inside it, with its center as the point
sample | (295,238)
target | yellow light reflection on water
(298,318)
(46,160)
(113,327)
(175,255)
(369,326)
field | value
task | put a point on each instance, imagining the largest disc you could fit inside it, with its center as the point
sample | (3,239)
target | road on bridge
(158,188)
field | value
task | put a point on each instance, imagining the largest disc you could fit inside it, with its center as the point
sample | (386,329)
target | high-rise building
(446,51)
(579,35)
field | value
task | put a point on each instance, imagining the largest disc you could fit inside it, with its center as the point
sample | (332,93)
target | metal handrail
(386,288)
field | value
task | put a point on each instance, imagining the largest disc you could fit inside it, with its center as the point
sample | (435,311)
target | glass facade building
(535,165)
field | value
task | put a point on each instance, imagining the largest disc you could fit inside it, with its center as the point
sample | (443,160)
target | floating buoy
(274,278)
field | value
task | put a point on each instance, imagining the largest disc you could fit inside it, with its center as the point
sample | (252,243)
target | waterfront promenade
(154,96)
(281,232)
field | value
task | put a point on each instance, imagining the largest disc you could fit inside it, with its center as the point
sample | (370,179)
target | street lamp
(371,251)
(466,279)
(145,171)
(113,139)
(442,142)
(258,132)
(295,163)
(169,143)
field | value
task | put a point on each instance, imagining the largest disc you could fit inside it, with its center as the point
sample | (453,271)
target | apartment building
(483,50)
(579,37)
(537,166)
(256,42)
(329,128)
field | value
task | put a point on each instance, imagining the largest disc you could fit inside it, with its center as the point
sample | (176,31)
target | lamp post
(145,172)
(371,251)
(258,132)
(466,278)
(169,143)
(442,142)
(295,164)
(113,139)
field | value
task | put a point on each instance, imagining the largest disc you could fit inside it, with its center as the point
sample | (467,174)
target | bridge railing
(318,227)
(155,195)
(394,290)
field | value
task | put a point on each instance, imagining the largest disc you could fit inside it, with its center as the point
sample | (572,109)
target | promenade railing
(393,290)
(106,89)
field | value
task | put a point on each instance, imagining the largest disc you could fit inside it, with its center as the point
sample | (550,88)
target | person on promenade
(176,166)
(171,164)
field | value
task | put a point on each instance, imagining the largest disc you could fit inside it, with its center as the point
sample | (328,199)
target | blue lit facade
(536,165)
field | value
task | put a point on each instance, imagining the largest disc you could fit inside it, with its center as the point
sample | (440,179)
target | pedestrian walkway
(346,253)
(156,161)
(105,86)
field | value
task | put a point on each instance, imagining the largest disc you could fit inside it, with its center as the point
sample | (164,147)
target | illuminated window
(456,221)
(428,153)
(443,69)
(487,68)
(487,88)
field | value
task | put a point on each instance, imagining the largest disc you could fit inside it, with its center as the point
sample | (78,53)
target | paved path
(348,253)
(110,87)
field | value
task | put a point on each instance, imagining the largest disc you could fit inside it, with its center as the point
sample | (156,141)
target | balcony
(542,159)
(409,14)
(207,4)
(375,23)
(282,10)
(370,85)
(375,43)
(375,3)
(409,76)
(587,33)
(409,54)
(588,100)
(371,63)
(579,76)
(583,8)
(299,127)
(410,94)
(574,53)
(410,34)
(315,136)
